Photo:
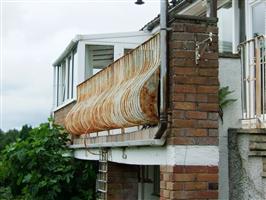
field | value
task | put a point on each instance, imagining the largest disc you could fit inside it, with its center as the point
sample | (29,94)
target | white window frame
(249,5)
(60,99)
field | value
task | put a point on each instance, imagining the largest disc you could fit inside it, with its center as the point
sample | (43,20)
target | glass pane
(69,63)
(63,82)
(258,19)
(225,15)
(74,75)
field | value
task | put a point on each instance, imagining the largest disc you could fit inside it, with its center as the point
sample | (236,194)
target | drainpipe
(163,69)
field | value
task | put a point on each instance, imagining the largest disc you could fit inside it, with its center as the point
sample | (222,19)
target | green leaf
(27,178)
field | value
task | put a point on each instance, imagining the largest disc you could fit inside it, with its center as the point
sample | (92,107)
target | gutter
(69,47)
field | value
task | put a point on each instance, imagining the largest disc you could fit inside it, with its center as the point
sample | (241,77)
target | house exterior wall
(247,164)
(229,75)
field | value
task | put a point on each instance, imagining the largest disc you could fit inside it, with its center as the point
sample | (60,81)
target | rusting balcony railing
(253,81)
(122,95)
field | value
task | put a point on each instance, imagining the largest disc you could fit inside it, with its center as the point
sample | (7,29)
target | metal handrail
(253,72)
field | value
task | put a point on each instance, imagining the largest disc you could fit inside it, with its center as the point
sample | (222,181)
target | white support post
(79,71)
(236,27)
(55,87)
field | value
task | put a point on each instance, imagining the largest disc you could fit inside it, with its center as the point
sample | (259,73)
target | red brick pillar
(122,181)
(193,101)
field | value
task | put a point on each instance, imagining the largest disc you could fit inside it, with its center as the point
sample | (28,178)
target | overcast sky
(33,35)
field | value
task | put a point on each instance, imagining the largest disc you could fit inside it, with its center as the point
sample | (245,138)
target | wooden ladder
(102,175)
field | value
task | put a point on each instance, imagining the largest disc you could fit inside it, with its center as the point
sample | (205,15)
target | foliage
(224,101)
(8,137)
(12,135)
(39,166)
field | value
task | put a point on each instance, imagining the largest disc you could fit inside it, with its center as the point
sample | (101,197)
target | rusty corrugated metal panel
(122,95)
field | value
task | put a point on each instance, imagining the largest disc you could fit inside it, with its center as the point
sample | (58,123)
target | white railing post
(253,80)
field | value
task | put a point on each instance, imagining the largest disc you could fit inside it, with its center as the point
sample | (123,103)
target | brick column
(193,101)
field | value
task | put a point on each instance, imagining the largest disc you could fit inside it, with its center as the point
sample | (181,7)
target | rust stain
(124,94)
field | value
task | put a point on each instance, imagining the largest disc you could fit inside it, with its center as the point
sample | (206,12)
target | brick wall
(193,103)
(193,97)
(189,182)
(122,181)
(59,115)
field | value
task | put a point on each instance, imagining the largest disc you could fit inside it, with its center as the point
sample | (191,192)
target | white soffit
(199,7)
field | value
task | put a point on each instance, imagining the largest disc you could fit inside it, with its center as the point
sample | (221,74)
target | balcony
(253,63)
(119,99)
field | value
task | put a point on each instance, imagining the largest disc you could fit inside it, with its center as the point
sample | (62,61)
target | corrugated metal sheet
(122,95)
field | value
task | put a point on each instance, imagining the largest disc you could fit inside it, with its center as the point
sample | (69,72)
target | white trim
(79,71)
(55,87)
(170,155)
(69,101)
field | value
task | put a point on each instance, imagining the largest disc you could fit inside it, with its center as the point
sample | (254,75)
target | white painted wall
(229,75)
(169,155)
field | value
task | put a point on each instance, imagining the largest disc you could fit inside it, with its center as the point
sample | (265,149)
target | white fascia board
(67,50)
(166,155)
(113,35)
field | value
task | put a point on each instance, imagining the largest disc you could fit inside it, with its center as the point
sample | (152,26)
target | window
(62,86)
(258,19)
(156,180)
(64,79)
(225,15)
(97,58)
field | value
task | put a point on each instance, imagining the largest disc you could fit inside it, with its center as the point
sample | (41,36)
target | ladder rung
(102,161)
(103,191)
(103,171)
(104,181)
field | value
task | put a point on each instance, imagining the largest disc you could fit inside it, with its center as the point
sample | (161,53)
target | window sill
(67,102)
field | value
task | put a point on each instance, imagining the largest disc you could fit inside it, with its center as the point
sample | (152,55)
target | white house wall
(229,75)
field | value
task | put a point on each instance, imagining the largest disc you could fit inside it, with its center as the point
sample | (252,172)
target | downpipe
(163,70)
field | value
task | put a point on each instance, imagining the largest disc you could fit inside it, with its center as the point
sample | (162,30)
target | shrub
(40,167)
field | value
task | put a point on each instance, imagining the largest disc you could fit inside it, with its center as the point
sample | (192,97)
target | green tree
(40,167)
(8,137)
